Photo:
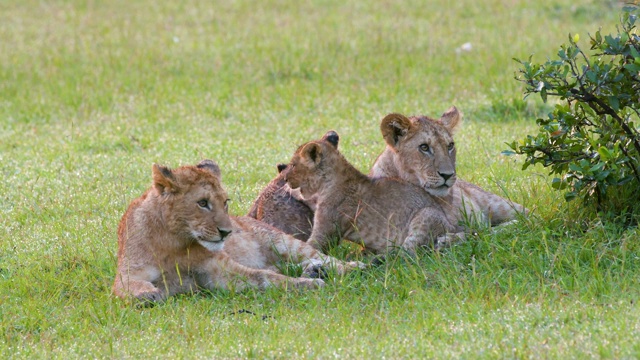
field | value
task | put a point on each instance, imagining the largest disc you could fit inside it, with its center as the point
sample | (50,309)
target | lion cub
(276,206)
(378,213)
(283,208)
(178,237)
(421,150)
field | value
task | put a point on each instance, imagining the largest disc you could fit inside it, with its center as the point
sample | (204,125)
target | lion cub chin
(378,213)
(177,238)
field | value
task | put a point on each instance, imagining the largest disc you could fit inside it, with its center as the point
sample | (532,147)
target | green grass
(92,93)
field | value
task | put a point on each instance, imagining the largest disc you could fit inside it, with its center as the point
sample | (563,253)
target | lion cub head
(307,171)
(194,203)
(424,151)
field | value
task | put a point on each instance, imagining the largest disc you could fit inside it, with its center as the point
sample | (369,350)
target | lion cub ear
(210,166)
(163,179)
(393,127)
(332,137)
(281,167)
(451,119)
(312,152)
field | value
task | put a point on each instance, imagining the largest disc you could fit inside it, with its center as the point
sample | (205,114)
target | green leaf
(605,154)
(634,52)
(570,196)
(625,179)
(614,103)
(602,176)
(562,54)
(613,43)
(575,168)
(596,167)
(624,38)
(633,67)
(559,184)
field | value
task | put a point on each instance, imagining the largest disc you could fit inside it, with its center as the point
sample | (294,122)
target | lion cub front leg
(138,284)
(312,261)
(224,272)
(325,230)
(428,228)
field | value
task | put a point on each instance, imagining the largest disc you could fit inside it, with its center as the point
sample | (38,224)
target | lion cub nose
(445,176)
(224,233)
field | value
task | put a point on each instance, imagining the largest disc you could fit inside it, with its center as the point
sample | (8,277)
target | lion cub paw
(356,265)
(505,225)
(321,270)
(315,271)
(149,298)
(449,239)
(304,283)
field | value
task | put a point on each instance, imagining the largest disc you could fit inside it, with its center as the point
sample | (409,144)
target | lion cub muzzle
(215,243)
(224,233)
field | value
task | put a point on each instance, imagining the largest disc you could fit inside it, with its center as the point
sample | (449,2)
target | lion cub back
(276,206)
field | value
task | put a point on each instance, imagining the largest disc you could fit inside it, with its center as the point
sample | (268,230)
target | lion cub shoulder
(378,213)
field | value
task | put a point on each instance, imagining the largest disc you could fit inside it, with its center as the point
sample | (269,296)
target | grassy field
(92,93)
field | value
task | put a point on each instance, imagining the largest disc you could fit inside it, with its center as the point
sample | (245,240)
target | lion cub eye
(424,148)
(451,146)
(204,203)
(226,205)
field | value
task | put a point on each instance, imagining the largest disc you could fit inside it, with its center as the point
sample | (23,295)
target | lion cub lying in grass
(275,205)
(378,213)
(178,237)
(282,208)
(420,150)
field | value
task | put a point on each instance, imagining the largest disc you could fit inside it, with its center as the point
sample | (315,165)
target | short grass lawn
(93,92)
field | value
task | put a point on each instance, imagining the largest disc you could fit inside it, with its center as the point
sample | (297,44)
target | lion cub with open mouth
(178,238)
(380,214)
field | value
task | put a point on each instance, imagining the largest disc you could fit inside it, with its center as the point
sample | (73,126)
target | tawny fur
(380,214)
(277,206)
(285,209)
(403,158)
(177,238)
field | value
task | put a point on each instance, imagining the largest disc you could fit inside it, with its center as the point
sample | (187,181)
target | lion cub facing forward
(378,213)
(420,150)
(171,240)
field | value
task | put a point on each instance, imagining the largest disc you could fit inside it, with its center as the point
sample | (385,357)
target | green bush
(590,140)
